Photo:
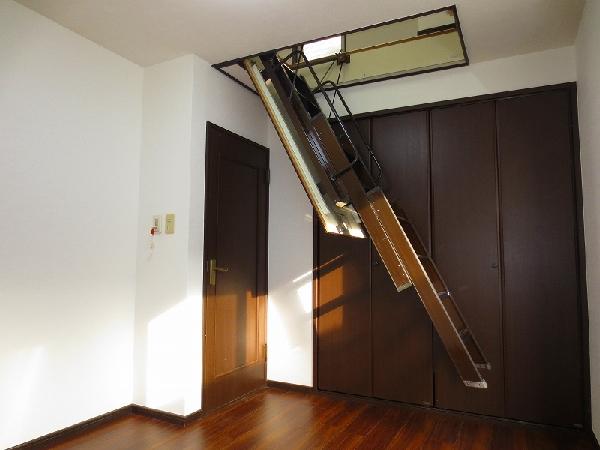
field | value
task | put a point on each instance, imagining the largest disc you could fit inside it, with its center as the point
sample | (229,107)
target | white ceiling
(151,31)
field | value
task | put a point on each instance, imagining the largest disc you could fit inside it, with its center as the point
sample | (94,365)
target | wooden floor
(279,419)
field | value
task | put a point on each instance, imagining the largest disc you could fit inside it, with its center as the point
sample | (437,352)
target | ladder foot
(476,384)
(404,286)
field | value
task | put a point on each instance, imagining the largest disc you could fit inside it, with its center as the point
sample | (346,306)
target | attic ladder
(336,176)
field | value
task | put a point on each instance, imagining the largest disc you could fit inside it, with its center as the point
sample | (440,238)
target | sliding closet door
(490,188)
(344,311)
(402,332)
(541,306)
(465,245)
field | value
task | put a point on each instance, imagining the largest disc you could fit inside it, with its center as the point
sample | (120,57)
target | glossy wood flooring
(279,419)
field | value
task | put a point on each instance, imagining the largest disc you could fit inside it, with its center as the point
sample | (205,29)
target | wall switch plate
(156,224)
(170,224)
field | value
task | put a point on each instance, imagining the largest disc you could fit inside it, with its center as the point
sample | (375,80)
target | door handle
(212,271)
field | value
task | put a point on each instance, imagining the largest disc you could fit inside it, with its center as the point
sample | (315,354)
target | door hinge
(268,176)
(265,352)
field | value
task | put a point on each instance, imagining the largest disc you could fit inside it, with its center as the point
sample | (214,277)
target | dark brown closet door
(541,306)
(402,348)
(465,245)
(344,311)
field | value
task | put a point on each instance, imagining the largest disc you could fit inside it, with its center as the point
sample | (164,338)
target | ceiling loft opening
(411,45)
(323,48)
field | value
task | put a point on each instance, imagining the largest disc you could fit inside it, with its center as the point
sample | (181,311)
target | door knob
(212,271)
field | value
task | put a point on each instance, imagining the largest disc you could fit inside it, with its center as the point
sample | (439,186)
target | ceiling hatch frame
(428,69)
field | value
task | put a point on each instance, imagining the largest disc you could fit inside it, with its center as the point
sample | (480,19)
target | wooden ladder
(308,136)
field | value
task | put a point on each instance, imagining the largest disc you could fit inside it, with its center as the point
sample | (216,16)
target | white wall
(69,164)
(180,96)
(588,73)
(289,326)
(290,228)
(505,74)
(162,309)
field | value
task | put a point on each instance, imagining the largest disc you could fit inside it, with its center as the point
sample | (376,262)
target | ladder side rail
(377,180)
(315,181)
(359,198)
(303,125)
(320,88)
(279,78)
(277,71)
(317,162)
(299,117)
(446,326)
(448,301)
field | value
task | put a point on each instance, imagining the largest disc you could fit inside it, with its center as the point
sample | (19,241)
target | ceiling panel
(152,31)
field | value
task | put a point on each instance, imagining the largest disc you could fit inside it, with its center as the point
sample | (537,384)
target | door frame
(571,89)
(209,175)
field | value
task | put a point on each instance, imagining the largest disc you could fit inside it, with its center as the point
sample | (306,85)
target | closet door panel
(344,311)
(465,245)
(402,332)
(541,312)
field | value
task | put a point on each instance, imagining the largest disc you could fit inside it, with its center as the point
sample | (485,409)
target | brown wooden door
(402,331)
(236,240)
(465,245)
(541,306)
(344,311)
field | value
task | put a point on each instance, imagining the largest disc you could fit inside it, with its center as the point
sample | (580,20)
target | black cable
(337,84)
(327,72)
